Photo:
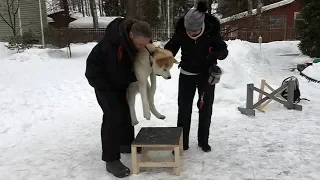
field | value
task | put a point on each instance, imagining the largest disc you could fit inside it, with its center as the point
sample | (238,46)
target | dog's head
(163,61)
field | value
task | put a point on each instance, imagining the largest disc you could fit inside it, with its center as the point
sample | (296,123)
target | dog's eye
(164,69)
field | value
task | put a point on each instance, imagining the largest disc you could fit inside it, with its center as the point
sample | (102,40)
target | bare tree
(100,8)
(65,6)
(81,6)
(10,15)
(94,13)
(259,8)
(250,7)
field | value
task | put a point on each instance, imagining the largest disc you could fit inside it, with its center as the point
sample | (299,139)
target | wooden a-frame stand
(274,95)
(264,85)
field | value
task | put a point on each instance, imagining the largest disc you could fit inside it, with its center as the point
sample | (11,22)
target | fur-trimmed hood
(211,24)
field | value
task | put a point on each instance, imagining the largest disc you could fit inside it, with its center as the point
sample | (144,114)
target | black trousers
(116,128)
(187,87)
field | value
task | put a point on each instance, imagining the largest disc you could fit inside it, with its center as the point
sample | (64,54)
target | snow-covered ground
(50,120)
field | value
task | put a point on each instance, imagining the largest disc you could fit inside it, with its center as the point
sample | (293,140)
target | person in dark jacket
(198,36)
(109,70)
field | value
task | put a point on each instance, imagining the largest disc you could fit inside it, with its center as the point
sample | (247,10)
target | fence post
(260,41)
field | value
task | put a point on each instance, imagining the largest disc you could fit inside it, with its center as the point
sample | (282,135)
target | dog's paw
(147,115)
(160,116)
(134,122)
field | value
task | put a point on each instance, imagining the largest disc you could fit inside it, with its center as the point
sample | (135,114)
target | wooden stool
(157,139)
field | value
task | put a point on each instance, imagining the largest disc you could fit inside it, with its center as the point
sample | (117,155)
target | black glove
(214,55)
(214,75)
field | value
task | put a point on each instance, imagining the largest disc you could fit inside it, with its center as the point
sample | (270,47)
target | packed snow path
(50,120)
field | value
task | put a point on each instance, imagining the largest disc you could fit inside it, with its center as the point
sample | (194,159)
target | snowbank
(241,67)
(4,51)
(76,15)
(87,22)
(313,71)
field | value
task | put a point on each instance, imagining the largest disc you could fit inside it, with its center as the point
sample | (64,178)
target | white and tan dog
(150,62)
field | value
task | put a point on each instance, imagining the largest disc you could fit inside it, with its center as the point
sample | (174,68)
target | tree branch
(5,21)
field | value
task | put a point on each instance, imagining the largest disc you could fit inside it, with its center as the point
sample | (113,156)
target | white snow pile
(76,14)
(4,51)
(313,71)
(50,119)
(87,22)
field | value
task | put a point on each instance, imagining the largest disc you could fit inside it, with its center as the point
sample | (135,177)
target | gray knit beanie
(194,18)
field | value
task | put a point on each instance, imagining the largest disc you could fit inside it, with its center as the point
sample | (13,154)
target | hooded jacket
(110,63)
(194,53)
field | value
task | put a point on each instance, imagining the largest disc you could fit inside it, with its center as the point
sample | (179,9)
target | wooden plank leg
(263,83)
(181,144)
(176,169)
(135,164)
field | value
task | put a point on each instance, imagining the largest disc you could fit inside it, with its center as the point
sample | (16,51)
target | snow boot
(205,147)
(117,169)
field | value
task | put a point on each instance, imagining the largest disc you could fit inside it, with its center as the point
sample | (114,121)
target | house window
(231,31)
(234,32)
(277,22)
(297,15)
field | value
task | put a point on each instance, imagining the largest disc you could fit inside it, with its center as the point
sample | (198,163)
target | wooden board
(158,136)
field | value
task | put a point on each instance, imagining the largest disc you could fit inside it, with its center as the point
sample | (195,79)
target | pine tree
(308,28)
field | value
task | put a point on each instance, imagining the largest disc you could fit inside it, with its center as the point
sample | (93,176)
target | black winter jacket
(110,63)
(195,52)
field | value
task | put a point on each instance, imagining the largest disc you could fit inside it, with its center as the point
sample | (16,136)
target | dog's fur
(162,61)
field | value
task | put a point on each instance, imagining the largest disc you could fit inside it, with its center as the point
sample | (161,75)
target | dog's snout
(169,77)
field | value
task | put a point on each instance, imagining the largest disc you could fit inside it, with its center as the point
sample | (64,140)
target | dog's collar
(150,55)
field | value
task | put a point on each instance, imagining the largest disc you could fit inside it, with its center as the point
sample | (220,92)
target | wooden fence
(62,37)
(267,35)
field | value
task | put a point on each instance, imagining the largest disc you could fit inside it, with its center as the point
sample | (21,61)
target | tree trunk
(66,7)
(250,14)
(100,8)
(73,3)
(61,4)
(94,13)
(249,7)
(259,8)
(82,7)
(131,9)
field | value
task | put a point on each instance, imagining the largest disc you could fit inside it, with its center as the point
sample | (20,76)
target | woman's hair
(141,28)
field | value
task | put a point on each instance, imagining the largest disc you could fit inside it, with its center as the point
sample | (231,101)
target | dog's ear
(161,62)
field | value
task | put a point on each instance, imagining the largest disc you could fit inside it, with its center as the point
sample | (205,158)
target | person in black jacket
(109,70)
(198,36)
